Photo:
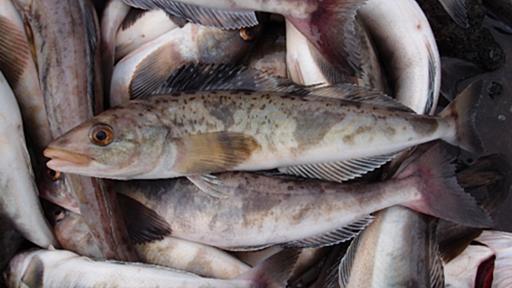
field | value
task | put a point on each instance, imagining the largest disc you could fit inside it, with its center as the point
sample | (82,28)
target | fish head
(119,144)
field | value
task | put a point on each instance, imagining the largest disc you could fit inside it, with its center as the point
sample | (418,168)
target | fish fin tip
(440,194)
(209,184)
(346,263)
(339,235)
(464,110)
(340,171)
(143,224)
(274,271)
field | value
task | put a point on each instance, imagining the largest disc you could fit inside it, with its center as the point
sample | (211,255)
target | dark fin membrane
(214,152)
(273,272)
(338,171)
(453,72)
(214,77)
(345,267)
(441,195)
(454,238)
(143,224)
(14,51)
(457,10)
(150,73)
(34,273)
(331,30)
(330,277)
(133,15)
(337,236)
(463,111)
(223,19)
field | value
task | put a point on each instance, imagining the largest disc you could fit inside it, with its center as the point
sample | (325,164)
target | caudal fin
(275,271)
(331,29)
(441,195)
(463,111)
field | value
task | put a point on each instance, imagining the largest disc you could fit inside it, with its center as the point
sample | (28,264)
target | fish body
(396,250)
(171,252)
(59,268)
(259,211)
(205,132)
(146,68)
(70,76)
(140,27)
(413,62)
(18,200)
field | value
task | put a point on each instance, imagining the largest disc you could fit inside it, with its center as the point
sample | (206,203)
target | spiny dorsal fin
(213,77)
(223,19)
(331,238)
(143,224)
(345,267)
(338,171)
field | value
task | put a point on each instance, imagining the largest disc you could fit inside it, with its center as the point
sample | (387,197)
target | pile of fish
(227,143)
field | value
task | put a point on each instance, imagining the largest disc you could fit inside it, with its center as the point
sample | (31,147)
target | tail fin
(275,271)
(463,111)
(441,195)
(331,29)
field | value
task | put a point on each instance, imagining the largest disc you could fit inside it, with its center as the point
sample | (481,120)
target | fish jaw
(64,160)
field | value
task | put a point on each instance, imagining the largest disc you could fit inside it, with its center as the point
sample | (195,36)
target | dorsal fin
(219,18)
(211,77)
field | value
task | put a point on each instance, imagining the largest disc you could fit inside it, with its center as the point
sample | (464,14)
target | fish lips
(64,160)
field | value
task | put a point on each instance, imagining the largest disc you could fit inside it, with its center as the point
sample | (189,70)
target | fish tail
(274,271)
(440,194)
(331,29)
(463,111)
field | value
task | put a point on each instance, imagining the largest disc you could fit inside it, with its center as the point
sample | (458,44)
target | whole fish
(399,249)
(258,211)
(60,269)
(70,77)
(140,27)
(327,24)
(183,134)
(74,235)
(146,68)
(18,197)
(413,61)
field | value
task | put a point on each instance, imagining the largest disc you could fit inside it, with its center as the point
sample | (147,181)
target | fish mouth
(59,158)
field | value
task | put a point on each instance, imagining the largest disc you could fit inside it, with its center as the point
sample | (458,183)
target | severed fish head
(120,143)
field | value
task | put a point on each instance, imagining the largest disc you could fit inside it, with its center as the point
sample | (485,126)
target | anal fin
(338,171)
(339,235)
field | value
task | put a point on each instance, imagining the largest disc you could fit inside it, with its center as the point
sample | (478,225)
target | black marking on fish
(131,18)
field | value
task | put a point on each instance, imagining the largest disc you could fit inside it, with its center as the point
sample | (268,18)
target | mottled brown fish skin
(70,75)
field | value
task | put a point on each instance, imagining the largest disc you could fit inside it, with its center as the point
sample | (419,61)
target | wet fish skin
(171,252)
(177,135)
(415,66)
(147,67)
(18,200)
(72,67)
(60,268)
(396,250)
(140,27)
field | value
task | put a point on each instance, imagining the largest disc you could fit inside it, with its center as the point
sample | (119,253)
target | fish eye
(101,135)
(54,175)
